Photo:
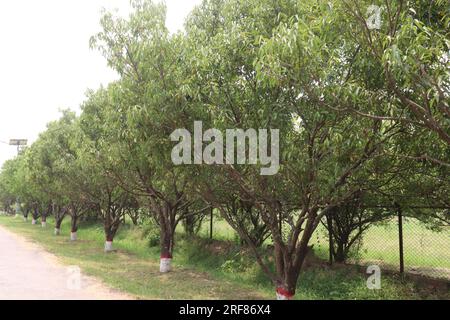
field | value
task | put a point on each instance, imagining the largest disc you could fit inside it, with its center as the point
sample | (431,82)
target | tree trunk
(111,225)
(288,269)
(73,226)
(166,252)
(135,220)
(285,289)
(58,222)
(134,216)
(44,220)
(340,255)
(189,224)
(35,215)
(110,233)
(166,249)
(26,212)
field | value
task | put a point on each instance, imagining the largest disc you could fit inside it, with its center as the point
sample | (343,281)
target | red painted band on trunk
(285,293)
(166,256)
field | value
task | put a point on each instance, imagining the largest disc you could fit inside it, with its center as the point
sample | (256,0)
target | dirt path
(28,272)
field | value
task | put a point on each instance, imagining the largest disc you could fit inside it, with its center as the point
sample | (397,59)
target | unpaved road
(27,272)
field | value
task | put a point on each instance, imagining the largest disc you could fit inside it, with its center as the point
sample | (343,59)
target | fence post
(330,238)
(400,238)
(211,224)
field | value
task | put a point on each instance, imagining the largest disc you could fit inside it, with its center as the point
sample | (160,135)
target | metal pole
(330,238)
(400,239)
(211,224)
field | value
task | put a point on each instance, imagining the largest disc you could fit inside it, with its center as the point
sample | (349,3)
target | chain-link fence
(401,244)
(407,247)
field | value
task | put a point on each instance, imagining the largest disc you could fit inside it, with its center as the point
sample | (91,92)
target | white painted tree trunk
(282,295)
(108,246)
(165,265)
(73,236)
(44,224)
(25,219)
(33,222)
(57,231)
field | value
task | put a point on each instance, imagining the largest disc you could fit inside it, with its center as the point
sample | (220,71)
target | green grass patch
(422,247)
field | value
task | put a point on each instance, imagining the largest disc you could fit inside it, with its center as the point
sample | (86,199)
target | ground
(199,271)
(28,273)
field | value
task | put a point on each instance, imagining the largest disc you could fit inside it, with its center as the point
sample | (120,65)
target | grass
(425,250)
(203,269)
(422,247)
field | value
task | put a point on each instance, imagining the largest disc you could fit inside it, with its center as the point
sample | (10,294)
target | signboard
(18,142)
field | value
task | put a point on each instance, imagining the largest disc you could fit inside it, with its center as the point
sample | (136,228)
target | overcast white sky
(46,63)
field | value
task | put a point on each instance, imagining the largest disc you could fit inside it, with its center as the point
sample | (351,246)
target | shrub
(151,233)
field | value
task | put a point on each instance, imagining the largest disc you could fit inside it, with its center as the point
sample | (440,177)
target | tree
(407,55)
(103,193)
(8,185)
(257,65)
(142,111)
(348,222)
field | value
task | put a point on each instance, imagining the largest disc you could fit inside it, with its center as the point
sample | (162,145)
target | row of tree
(363,115)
